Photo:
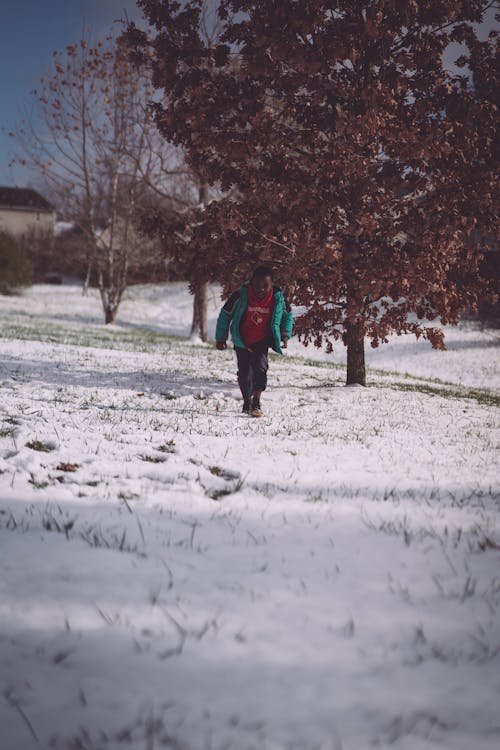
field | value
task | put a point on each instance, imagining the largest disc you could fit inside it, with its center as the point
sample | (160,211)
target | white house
(24,210)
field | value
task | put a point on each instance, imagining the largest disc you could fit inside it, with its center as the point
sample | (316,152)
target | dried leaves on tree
(358,164)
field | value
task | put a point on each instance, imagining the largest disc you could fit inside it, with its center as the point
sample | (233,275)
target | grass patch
(486,398)
(38,484)
(152,459)
(38,445)
(137,339)
(168,447)
(410,383)
(231,489)
(226,474)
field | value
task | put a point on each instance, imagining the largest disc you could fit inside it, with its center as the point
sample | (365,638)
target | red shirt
(254,326)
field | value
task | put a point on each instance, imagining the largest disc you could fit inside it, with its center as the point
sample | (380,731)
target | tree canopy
(357,163)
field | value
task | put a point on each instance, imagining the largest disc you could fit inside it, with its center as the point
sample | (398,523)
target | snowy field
(178,575)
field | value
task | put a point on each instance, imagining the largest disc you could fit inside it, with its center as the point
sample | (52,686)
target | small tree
(93,139)
(15,268)
(361,166)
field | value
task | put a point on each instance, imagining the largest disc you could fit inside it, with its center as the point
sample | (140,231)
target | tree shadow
(57,373)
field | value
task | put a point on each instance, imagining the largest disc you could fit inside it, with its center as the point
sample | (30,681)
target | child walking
(258,317)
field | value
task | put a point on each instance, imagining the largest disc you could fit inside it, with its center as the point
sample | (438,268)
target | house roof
(23,199)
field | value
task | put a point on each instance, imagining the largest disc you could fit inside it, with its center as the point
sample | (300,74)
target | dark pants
(252,369)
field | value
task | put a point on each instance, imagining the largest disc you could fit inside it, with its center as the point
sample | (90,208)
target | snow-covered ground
(175,574)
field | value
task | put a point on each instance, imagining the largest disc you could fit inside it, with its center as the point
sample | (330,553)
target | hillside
(176,574)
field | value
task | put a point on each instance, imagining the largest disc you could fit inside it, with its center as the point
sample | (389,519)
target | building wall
(18,222)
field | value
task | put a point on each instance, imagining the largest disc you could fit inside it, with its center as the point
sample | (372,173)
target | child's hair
(262,271)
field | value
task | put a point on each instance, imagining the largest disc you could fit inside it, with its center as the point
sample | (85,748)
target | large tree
(92,137)
(363,167)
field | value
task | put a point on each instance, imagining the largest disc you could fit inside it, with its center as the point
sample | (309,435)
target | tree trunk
(199,325)
(356,372)
(86,283)
(109,314)
(110,299)
(200,301)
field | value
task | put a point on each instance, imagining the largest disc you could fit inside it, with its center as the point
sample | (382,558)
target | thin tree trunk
(356,371)
(86,283)
(200,302)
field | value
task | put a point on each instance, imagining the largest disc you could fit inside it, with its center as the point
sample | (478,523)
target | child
(258,317)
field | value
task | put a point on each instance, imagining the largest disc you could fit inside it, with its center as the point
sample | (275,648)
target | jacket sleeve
(225,317)
(286,325)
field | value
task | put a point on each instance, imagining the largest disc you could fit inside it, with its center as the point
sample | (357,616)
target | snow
(63,226)
(325,577)
(471,358)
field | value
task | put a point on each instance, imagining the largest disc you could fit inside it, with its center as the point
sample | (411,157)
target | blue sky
(30,30)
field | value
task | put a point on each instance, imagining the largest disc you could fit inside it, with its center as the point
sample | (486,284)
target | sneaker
(255,410)
(246,407)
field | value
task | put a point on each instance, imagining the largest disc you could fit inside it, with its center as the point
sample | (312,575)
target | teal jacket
(231,315)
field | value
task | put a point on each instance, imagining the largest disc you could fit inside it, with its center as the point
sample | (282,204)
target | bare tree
(92,137)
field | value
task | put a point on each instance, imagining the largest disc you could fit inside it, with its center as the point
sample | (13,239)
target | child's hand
(221,345)
(285,342)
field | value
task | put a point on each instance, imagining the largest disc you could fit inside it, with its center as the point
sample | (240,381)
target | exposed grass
(7,432)
(411,383)
(226,474)
(137,339)
(168,447)
(152,459)
(448,390)
(146,341)
(38,445)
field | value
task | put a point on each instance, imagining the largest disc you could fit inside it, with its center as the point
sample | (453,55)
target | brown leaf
(67,467)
